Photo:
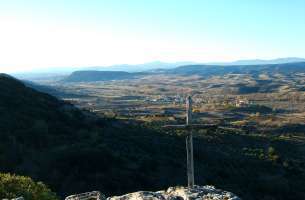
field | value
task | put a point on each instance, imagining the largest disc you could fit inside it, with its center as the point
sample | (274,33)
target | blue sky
(37,34)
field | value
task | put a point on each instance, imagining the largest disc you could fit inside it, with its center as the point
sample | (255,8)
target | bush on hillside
(13,186)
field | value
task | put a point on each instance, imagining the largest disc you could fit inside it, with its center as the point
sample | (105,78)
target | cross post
(189,139)
(189,144)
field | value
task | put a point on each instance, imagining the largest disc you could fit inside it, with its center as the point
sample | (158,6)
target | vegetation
(74,151)
(12,186)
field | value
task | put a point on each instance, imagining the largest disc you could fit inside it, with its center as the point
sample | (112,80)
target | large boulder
(180,193)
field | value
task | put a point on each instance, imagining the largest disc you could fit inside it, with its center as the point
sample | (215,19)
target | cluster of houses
(242,102)
(166,99)
(223,100)
(123,107)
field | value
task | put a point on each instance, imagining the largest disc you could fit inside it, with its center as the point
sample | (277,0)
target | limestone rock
(18,198)
(180,193)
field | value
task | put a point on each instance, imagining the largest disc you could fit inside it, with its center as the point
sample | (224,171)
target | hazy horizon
(53,34)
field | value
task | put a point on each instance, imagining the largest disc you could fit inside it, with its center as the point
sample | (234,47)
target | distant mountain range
(261,62)
(93,75)
(207,70)
(59,72)
(156,65)
(201,70)
(55,73)
(140,67)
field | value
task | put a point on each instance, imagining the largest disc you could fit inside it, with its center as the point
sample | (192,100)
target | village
(227,100)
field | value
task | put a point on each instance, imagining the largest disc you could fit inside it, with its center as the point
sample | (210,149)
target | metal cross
(189,139)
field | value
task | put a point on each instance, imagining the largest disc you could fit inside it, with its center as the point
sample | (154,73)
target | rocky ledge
(180,193)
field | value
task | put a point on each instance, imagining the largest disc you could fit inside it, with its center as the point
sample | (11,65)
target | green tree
(12,186)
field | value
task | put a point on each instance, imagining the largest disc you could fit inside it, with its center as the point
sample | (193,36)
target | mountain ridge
(202,70)
(149,66)
(261,61)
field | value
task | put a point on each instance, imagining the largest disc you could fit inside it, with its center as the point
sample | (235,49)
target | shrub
(12,186)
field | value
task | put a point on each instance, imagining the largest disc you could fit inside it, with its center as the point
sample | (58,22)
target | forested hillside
(73,151)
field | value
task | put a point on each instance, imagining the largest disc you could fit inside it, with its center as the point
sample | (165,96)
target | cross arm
(174,126)
(202,126)
(191,126)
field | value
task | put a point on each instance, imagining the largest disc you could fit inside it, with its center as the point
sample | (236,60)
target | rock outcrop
(180,193)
